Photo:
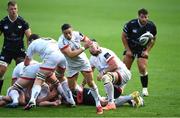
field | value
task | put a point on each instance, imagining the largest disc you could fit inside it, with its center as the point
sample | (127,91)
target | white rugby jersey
(19,70)
(74,43)
(101,61)
(42,46)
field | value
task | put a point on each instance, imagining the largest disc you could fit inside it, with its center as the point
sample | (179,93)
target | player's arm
(29,54)
(112,65)
(124,40)
(72,53)
(153,39)
(28,33)
(87,42)
(150,44)
(1,28)
(27,61)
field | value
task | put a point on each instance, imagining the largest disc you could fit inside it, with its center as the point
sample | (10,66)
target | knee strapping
(40,75)
(56,82)
(18,87)
(108,77)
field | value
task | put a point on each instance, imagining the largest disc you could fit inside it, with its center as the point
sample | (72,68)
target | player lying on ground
(24,79)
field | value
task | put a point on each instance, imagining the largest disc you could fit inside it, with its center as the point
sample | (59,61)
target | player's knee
(3,63)
(3,67)
(55,82)
(108,77)
(59,74)
(143,73)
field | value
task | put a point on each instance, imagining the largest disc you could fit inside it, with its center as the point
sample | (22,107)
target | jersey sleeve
(126,28)
(108,57)
(80,36)
(1,26)
(91,62)
(30,50)
(25,25)
(154,30)
(15,73)
(62,43)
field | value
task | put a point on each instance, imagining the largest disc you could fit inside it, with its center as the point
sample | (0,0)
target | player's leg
(4,100)
(142,66)
(3,68)
(14,94)
(41,76)
(88,75)
(134,98)
(108,80)
(121,100)
(5,60)
(128,59)
(20,85)
(19,57)
(63,85)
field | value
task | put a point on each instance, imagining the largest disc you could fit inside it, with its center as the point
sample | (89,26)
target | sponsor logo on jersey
(2,57)
(107,55)
(5,27)
(19,26)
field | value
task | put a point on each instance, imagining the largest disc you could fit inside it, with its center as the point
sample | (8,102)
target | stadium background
(103,20)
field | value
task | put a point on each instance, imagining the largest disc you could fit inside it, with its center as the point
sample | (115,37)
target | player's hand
(145,54)
(87,44)
(99,77)
(129,53)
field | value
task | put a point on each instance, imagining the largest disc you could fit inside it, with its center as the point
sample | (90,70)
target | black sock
(144,81)
(1,84)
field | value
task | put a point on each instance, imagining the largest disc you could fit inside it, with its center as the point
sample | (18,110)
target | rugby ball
(145,38)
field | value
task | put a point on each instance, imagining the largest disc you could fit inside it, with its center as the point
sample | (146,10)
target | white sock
(67,90)
(121,100)
(1,97)
(78,88)
(14,96)
(60,90)
(110,91)
(95,94)
(36,89)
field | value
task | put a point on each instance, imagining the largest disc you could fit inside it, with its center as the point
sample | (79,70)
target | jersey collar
(139,23)
(12,20)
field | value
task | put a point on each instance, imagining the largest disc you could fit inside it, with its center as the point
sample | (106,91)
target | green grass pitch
(103,20)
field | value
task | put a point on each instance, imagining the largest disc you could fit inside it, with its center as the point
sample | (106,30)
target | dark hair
(143,11)
(33,37)
(65,26)
(93,40)
(12,3)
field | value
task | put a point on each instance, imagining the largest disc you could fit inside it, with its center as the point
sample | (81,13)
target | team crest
(134,30)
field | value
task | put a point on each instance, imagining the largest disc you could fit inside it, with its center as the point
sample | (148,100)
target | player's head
(12,8)
(33,37)
(67,31)
(143,16)
(94,49)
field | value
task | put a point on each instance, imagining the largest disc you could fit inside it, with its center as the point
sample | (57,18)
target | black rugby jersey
(134,30)
(13,33)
